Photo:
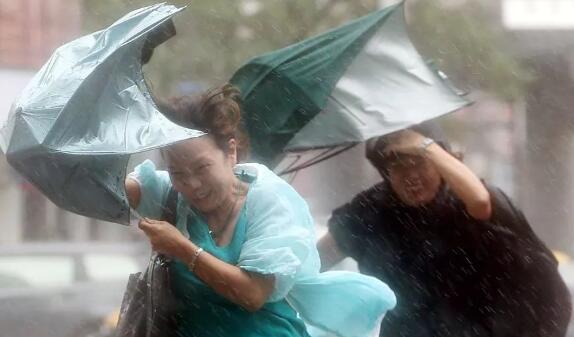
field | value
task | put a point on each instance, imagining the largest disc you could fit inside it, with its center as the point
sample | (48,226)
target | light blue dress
(273,236)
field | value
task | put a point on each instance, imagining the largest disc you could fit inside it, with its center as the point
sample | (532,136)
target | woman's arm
(463,182)
(133,192)
(329,252)
(248,290)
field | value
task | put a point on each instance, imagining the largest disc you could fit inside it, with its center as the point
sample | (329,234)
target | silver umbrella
(74,127)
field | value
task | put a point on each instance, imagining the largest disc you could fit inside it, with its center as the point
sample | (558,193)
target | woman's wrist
(193,260)
(189,254)
(438,156)
(425,144)
(185,250)
(431,150)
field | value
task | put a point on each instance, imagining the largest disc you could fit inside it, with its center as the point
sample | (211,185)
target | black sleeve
(348,228)
(505,215)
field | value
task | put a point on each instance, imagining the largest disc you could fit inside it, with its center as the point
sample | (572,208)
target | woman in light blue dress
(245,261)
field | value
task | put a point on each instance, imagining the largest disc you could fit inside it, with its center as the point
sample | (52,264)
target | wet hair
(216,112)
(375,147)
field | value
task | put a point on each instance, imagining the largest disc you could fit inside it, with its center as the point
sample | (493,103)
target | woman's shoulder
(155,186)
(262,179)
(268,188)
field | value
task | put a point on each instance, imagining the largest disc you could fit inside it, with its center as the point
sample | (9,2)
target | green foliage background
(215,37)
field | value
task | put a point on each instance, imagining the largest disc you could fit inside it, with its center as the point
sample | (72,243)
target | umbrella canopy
(72,130)
(360,80)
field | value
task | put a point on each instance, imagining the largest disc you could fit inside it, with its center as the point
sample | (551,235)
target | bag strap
(169,213)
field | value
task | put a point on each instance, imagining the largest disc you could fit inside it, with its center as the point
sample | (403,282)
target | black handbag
(149,307)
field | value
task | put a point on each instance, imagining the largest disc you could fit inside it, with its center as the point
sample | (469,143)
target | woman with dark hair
(245,261)
(460,256)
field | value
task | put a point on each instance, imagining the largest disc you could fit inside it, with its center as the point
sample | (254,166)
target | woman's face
(202,172)
(414,179)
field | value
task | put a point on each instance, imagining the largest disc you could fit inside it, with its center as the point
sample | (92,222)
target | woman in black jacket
(461,258)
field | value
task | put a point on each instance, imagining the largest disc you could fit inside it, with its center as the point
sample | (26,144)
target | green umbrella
(72,130)
(358,81)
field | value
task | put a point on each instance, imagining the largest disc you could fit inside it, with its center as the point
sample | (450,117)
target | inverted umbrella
(358,81)
(74,127)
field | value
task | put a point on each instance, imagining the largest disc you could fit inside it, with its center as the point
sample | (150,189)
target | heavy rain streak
(300,168)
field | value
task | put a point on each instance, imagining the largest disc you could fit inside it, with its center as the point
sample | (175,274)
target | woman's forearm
(463,182)
(329,252)
(133,192)
(248,290)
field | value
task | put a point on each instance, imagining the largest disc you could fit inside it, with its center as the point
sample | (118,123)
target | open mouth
(200,196)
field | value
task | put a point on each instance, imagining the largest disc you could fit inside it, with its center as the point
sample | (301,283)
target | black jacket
(454,275)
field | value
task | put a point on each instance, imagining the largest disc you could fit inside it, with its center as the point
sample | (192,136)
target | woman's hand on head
(405,142)
(164,237)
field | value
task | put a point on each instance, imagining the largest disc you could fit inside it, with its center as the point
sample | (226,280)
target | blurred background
(514,57)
